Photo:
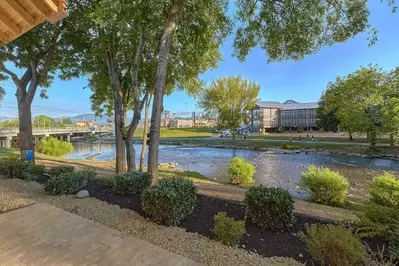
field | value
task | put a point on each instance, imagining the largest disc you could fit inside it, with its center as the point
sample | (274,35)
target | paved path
(44,235)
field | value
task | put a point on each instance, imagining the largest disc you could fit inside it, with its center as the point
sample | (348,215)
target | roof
(287,106)
(20,16)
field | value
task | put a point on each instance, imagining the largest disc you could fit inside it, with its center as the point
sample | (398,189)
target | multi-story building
(268,115)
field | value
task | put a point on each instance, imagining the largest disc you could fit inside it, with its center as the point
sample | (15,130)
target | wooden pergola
(19,16)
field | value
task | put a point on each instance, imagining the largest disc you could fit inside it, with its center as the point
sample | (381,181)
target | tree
(191,36)
(42,121)
(66,121)
(231,98)
(41,54)
(326,120)
(359,101)
(390,109)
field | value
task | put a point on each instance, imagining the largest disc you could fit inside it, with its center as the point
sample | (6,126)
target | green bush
(14,167)
(290,146)
(393,246)
(90,174)
(54,147)
(376,220)
(299,129)
(241,172)
(227,230)
(385,190)
(280,129)
(109,182)
(132,182)
(170,200)
(333,245)
(270,208)
(66,183)
(58,170)
(37,169)
(325,186)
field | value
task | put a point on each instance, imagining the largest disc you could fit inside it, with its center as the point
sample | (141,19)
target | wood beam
(9,24)
(21,11)
(41,7)
(3,38)
(51,5)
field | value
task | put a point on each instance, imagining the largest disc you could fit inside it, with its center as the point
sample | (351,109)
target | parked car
(225,133)
(214,131)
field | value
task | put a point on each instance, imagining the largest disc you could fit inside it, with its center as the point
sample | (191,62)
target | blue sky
(301,81)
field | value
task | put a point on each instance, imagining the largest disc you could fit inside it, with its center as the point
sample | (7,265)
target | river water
(283,170)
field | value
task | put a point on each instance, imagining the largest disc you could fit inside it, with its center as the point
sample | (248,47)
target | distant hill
(7,117)
(89,117)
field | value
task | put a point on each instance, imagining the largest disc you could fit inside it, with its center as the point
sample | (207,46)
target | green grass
(327,139)
(192,175)
(179,132)
(8,151)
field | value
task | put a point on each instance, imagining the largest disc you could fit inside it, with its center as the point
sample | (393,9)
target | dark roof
(269,104)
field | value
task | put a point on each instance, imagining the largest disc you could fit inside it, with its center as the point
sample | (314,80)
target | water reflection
(283,170)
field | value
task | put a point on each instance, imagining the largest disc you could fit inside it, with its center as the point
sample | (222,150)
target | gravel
(17,193)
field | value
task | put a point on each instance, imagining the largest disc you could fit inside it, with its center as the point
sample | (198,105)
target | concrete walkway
(44,235)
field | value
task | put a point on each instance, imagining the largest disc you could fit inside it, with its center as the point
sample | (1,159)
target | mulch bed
(268,243)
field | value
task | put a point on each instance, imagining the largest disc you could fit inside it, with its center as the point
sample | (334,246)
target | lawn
(326,139)
(179,132)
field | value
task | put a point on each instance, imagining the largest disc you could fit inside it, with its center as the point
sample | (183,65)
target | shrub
(333,245)
(376,220)
(299,129)
(37,169)
(109,182)
(132,182)
(241,172)
(54,147)
(385,190)
(90,174)
(227,230)
(325,186)
(66,183)
(269,207)
(14,167)
(289,146)
(58,170)
(393,246)
(170,200)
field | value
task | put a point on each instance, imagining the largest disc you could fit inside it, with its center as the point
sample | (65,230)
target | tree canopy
(230,98)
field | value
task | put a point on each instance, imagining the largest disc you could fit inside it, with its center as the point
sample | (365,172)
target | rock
(294,234)
(243,246)
(82,194)
(300,255)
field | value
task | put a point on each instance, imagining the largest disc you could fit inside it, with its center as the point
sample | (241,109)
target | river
(283,170)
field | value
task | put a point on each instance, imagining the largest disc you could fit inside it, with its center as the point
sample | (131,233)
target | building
(269,115)
(84,123)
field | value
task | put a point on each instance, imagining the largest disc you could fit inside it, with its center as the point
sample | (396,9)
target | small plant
(37,169)
(109,182)
(227,230)
(58,170)
(393,246)
(170,200)
(385,190)
(90,174)
(54,147)
(333,245)
(132,182)
(66,183)
(270,208)
(299,129)
(14,167)
(241,172)
(290,146)
(325,186)
(376,220)
(280,129)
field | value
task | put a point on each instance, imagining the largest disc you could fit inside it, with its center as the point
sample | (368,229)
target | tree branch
(10,73)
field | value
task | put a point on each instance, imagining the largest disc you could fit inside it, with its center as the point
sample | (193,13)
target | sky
(301,81)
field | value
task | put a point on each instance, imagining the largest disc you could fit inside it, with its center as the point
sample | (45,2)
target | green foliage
(376,220)
(90,174)
(66,183)
(333,245)
(290,146)
(393,246)
(10,124)
(42,121)
(170,200)
(58,170)
(14,167)
(132,182)
(230,98)
(384,190)
(280,129)
(269,207)
(325,186)
(227,230)
(326,120)
(299,129)
(109,182)
(54,147)
(37,169)
(241,172)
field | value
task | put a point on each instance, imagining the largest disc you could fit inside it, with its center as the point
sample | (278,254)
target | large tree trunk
(391,140)
(120,165)
(163,54)
(373,138)
(130,154)
(144,145)
(25,126)
(350,135)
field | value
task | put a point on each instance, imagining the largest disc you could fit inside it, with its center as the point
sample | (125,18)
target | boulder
(82,194)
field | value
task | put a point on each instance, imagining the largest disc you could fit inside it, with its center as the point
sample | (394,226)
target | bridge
(10,136)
